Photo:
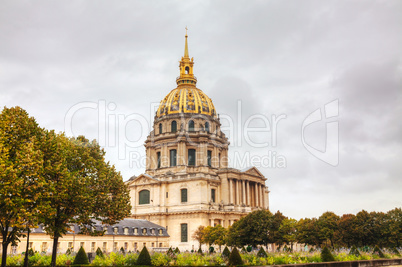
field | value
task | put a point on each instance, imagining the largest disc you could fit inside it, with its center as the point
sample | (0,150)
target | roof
(135,227)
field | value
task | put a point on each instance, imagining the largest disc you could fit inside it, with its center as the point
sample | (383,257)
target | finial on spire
(186,47)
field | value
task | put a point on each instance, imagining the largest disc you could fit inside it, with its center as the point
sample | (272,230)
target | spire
(186,47)
(186,69)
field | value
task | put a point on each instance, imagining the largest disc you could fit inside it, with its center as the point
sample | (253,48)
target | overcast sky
(99,68)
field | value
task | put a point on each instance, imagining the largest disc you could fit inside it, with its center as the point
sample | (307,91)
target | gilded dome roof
(186,100)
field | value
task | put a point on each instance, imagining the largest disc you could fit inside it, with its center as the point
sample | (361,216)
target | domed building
(187,181)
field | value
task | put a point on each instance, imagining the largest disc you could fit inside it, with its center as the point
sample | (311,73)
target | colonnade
(246,192)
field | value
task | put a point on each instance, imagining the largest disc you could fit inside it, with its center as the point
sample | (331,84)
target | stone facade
(187,181)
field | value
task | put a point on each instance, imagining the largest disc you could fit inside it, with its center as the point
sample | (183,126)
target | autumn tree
(83,186)
(394,227)
(21,183)
(199,235)
(307,232)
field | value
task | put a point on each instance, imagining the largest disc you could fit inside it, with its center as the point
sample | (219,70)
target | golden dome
(186,98)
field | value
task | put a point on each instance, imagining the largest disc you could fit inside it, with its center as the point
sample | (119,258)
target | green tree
(307,232)
(253,229)
(288,231)
(275,236)
(344,236)
(20,174)
(327,225)
(326,255)
(144,258)
(235,258)
(83,186)
(215,235)
(81,257)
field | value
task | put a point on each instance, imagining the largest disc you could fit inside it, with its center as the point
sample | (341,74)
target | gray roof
(135,227)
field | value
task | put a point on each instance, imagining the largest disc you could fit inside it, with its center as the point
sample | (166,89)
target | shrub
(326,255)
(395,251)
(249,248)
(261,253)
(159,259)
(81,258)
(144,258)
(243,250)
(177,251)
(354,251)
(235,258)
(31,252)
(200,251)
(170,252)
(226,253)
(122,250)
(377,251)
(211,249)
(99,252)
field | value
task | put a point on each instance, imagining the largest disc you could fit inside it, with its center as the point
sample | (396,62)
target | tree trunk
(54,250)
(27,250)
(4,256)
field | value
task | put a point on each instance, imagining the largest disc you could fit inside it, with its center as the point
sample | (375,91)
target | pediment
(143,179)
(253,171)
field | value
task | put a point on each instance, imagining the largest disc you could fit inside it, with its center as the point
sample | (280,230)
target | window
(135,230)
(209,158)
(183,193)
(144,244)
(82,244)
(104,246)
(144,231)
(93,247)
(213,195)
(191,126)
(187,70)
(105,228)
(160,128)
(191,157)
(44,247)
(173,154)
(174,126)
(184,232)
(135,246)
(126,231)
(167,194)
(160,245)
(160,231)
(115,246)
(125,246)
(158,159)
(30,245)
(152,244)
(115,230)
(207,127)
(144,197)
(70,245)
(219,160)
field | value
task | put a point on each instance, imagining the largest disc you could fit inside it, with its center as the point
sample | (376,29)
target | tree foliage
(144,258)
(81,257)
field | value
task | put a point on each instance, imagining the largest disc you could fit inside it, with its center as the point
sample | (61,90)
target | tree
(81,257)
(327,225)
(394,227)
(326,255)
(199,235)
(144,258)
(307,232)
(20,174)
(288,231)
(235,258)
(344,235)
(275,236)
(253,229)
(83,186)
(214,235)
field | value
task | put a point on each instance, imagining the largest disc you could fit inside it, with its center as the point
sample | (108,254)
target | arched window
(174,126)
(191,126)
(173,156)
(160,128)
(209,158)
(191,157)
(158,159)
(183,193)
(207,127)
(187,70)
(213,197)
(143,197)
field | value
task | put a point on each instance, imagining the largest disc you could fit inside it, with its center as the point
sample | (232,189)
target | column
(262,196)
(248,193)
(256,195)
(238,192)
(243,192)
(230,191)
